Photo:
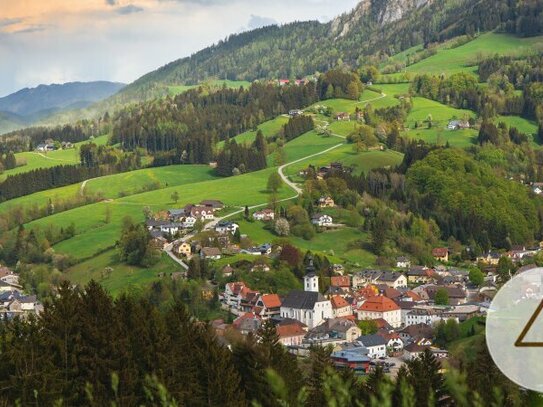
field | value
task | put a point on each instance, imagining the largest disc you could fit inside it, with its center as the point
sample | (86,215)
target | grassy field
(307,144)
(361,162)
(334,244)
(466,57)
(269,128)
(35,160)
(441,115)
(523,125)
(178,89)
(124,278)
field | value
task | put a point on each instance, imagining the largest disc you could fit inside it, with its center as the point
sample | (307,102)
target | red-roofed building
(247,323)
(441,254)
(343,282)
(381,307)
(340,307)
(268,306)
(291,334)
(231,292)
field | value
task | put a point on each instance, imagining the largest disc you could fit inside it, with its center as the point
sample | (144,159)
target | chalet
(295,112)
(333,331)
(458,125)
(340,307)
(441,254)
(403,262)
(268,306)
(326,202)
(322,220)
(265,215)
(380,307)
(375,344)
(291,334)
(342,116)
(227,271)
(183,249)
(224,227)
(212,204)
(356,359)
(211,253)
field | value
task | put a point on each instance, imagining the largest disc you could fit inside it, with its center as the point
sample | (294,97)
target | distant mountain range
(30,105)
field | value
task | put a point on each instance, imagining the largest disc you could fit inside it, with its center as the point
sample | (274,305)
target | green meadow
(269,128)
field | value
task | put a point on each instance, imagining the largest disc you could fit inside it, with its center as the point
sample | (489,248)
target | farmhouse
(322,220)
(211,253)
(342,116)
(212,204)
(441,254)
(326,202)
(458,125)
(264,215)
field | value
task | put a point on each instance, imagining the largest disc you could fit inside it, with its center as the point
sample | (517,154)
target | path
(51,158)
(169,248)
(383,95)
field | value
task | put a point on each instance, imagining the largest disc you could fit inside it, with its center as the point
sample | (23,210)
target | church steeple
(311,280)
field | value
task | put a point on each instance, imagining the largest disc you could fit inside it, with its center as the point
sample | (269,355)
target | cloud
(130,9)
(259,21)
(111,2)
(6,22)
(31,29)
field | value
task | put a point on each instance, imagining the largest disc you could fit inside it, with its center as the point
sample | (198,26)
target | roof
(211,251)
(235,288)
(212,202)
(415,348)
(359,354)
(452,291)
(302,299)
(289,330)
(440,252)
(382,324)
(379,304)
(340,281)
(271,300)
(372,340)
(338,302)
(418,330)
(391,293)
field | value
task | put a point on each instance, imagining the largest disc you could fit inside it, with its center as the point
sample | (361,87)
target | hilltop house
(441,254)
(381,307)
(322,220)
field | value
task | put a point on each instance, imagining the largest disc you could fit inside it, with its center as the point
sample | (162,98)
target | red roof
(413,295)
(236,287)
(440,252)
(290,330)
(379,304)
(369,291)
(341,281)
(271,300)
(339,302)
(248,315)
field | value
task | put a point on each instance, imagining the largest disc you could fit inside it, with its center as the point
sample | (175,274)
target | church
(309,307)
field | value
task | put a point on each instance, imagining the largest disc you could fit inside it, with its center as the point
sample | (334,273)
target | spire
(310,269)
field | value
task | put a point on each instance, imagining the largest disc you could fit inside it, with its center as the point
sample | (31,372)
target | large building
(309,307)
(381,307)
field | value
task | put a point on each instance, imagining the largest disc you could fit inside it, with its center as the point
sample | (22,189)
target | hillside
(31,104)
(303,48)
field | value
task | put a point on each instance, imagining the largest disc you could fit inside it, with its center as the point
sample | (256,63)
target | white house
(341,307)
(376,345)
(322,220)
(226,227)
(390,278)
(381,307)
(403,262)
(264,215)
(171,228)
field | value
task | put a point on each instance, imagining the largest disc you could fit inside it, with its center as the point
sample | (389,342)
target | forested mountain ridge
(303,48)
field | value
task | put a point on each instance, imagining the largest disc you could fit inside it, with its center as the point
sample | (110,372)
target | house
(390,278)
(326,202)
(171,228)
(333,332)
(268,306)
(231,292)
(340,307)
(227,270)
(183,249)
(265,215)
(322,220)
(283,82)
(380,307)
(375,344)
(419,275)
(224,227)
(342,282)
(291,334)
(414,350)
(342,116)
(189,222)
(199,212)
(458,125)
(247,323)
(420,334)
(491,258)
(403,262)
(441,254)
(262,250)
(211,253)
(394,343)
(212,204)
(426,316)
(175,215)
(309,307)
(295,112)
(356,359)
(457,295)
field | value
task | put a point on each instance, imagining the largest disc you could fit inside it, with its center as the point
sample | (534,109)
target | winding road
(298,191)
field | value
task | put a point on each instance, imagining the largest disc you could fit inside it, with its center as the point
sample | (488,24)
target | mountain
(44,100)
(10,122)
(374,28)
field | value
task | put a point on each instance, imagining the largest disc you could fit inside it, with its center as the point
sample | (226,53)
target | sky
(58,41)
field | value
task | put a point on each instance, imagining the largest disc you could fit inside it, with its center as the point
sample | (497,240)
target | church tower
(311,280)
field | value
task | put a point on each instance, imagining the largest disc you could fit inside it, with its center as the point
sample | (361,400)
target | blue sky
(57,41)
